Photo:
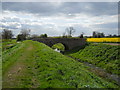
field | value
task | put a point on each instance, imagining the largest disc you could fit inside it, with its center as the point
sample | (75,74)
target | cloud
(108,25)
(11,25)
(53,18)
(55,8)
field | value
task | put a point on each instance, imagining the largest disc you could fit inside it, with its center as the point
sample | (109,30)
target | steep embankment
(31,64)
(102,55)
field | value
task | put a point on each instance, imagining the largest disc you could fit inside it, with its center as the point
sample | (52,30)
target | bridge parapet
(69,43)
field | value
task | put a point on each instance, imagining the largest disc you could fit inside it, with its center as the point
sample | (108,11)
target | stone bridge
(69,43)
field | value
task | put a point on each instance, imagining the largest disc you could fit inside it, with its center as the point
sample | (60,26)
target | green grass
(102,55)
(0,63)
(42,67)
(8,43)
(10,55)
(59,46)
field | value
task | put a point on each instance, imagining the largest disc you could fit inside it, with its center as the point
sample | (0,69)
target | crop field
(31,64)
(103,40)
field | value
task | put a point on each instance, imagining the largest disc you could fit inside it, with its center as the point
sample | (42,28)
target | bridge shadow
(74,50)
(67,51)
(66,47)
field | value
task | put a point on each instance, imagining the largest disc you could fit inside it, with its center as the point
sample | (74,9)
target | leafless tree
(25,32)
(7,34)
(70,31)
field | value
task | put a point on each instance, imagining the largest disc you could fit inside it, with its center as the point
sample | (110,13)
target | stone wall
(69,43)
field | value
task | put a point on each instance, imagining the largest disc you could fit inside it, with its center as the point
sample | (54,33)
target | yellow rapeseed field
(103,39)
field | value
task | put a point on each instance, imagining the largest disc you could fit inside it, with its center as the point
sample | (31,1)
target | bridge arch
(60,46)
(66,46)
(69,43)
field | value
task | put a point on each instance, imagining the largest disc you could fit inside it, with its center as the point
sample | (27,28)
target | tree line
(25,34)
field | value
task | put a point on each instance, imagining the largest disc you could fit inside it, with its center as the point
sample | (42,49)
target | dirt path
(22,72)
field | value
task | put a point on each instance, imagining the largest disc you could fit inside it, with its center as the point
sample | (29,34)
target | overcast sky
(54,17)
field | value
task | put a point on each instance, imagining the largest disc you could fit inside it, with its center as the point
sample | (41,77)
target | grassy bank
(31,64)
(102,55)
(8,43)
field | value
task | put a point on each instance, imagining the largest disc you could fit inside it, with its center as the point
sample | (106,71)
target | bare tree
(25,32)
(7,34)
(21,37)
(70,31)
